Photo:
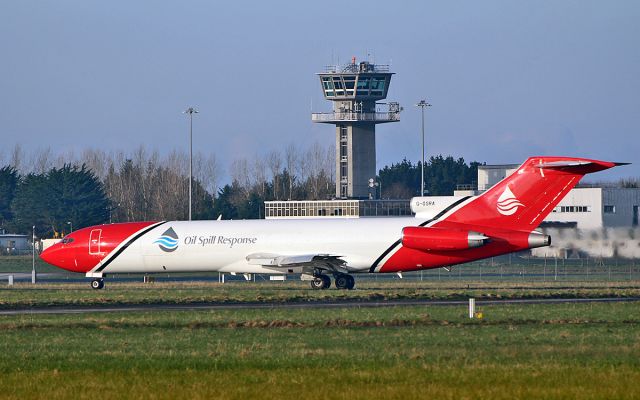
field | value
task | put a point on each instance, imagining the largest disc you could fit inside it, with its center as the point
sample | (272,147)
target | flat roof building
(336,209)
(14,244)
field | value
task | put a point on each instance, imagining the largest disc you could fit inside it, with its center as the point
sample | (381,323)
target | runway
(297,305)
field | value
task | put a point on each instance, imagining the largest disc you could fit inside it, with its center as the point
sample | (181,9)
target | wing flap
(324,261)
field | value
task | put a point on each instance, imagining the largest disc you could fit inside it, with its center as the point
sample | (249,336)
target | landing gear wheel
(352,282)
(345,281)
(321,282)
(97,284)
(342,281)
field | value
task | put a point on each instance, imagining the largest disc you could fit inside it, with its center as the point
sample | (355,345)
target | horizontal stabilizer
(579,166)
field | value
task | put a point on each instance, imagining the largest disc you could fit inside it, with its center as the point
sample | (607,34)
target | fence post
(472,307)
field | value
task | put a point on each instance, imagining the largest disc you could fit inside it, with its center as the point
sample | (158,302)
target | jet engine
(438,239)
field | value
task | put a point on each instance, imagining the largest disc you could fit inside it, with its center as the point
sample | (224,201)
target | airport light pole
(190,111)
(70,226)
(377,186)
(422,104)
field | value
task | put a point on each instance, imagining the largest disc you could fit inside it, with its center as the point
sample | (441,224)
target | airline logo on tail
(508,203)
(168,241)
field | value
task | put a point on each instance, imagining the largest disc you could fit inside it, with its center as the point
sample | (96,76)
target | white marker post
(33,255)
(472,308)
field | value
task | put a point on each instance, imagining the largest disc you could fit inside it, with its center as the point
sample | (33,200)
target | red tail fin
(521,201)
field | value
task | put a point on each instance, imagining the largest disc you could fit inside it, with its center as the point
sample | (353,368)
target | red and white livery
(501,220)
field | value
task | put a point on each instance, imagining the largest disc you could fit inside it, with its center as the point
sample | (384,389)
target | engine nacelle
(438,239)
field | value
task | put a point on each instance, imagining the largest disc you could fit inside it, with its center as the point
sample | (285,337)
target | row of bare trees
(145,185)
(288,175)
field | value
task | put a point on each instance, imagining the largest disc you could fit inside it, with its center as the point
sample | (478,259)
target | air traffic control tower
(354,90)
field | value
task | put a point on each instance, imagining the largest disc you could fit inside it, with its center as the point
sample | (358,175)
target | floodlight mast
(190,111)
(422,104)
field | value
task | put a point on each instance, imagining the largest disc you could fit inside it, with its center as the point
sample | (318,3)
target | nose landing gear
(97,283)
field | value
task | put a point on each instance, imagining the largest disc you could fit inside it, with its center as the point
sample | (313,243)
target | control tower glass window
(339,87)
(377,85)
(363,86)
(349,84)
(327,86)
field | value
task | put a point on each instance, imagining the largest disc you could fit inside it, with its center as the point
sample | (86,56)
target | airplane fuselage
(224,245)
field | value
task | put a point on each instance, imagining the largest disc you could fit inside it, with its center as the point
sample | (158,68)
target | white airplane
(446,231)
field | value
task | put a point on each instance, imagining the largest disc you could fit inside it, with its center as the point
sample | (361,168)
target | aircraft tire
(342,281)
(97,284)
(321,282)
(351,282)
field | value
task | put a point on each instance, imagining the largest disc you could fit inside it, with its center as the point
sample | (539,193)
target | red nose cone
(47,256)
(84,249)
(60,256)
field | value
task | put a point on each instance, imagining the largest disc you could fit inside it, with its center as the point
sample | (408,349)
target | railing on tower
(356,68)
(356,117)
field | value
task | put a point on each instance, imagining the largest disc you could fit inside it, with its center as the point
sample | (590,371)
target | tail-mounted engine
(439,239)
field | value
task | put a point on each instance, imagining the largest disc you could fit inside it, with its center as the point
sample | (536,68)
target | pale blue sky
(507,79)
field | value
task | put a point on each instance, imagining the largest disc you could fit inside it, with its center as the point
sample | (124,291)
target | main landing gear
(342,281)
(97,283)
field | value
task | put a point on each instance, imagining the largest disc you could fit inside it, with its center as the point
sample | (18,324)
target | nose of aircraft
(59,256)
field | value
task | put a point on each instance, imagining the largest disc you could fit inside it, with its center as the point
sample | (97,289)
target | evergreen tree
(252,208)
(202,203)
(441,175)
(224,205)
(68,194)
(8,185)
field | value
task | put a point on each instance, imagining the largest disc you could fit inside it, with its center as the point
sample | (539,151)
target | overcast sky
(507,79)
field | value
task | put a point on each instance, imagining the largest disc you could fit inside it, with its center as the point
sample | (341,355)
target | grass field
(549,351)
(27,295)
(505,268)
(559,351)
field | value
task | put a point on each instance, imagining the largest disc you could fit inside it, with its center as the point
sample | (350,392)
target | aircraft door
(94,241)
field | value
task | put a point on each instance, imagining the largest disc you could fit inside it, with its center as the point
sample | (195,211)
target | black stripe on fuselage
(133,239)
(397,242)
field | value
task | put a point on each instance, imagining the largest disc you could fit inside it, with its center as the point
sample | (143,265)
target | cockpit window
(67,240)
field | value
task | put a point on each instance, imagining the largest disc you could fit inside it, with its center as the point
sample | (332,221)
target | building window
(377,86)
(343,190)
(362,87)
(571,209)
(609,209)
(349,81)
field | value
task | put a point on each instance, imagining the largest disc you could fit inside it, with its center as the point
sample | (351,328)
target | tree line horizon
(54,192)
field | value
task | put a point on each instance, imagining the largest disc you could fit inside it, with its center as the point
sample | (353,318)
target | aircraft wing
(307,261)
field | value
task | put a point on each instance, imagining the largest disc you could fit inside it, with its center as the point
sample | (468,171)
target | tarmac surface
(291,305)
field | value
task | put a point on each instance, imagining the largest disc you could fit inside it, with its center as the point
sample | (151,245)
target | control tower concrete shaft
(354,90)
